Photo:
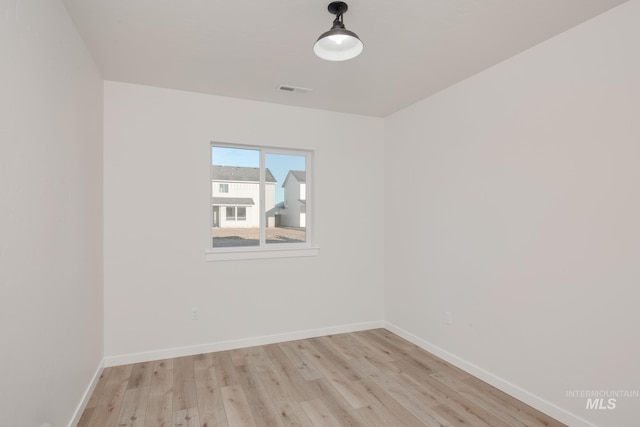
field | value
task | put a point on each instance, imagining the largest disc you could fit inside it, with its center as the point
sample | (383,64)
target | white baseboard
(86,396)
(499,383)
(148,356)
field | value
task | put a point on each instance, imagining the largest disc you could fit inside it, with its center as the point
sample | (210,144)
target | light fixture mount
(338,44)
(337,8)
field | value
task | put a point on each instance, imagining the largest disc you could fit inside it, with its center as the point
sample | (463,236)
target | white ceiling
(247,49)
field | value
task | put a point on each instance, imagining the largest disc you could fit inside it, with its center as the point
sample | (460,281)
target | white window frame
(264,250)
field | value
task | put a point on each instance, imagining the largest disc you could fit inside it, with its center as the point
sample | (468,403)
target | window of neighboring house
(258,180)
(231,213)
(238,213)
(241,214)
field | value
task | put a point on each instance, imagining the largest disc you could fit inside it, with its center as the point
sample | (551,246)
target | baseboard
(86,396)
(148,356)
(499,383)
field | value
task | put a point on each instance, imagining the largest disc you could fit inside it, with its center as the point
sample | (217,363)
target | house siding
(294,214)
(244,190)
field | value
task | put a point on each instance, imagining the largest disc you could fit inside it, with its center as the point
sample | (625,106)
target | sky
(278,164)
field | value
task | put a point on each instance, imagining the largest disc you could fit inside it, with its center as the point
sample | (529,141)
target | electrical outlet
(448,319)
(195,314)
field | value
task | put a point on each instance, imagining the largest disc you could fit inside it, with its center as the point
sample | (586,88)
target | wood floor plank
(323,346)
(259,400)
(361,379)
(457,406)
(236,407)
(374,415)
(160,402)
(259,360)
(86,417)
(387,405)
(289,379)
(342,384)
(394,342)
(185,399)
(341,409)
(224,368)
(186,418)
(210,406)
(340,346)
(134,407)
(374,350)
(415,401)
(292,414)
(318,414)
(458,418)
(279,386)
(108,407)
(435,364)
(521,410)
(97,391)
(293,350)
(239,356)
(183,369)
(94,398)
(159,410)
(141,374)
(384,345)
(350,347)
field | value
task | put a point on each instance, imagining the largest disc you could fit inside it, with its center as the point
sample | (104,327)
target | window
(264,196)
(236,213)
(241,214)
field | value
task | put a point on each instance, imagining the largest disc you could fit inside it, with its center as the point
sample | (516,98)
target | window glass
(241,214)
(286,201)
(258,197)
(235,175)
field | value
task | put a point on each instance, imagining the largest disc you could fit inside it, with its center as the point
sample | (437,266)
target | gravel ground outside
(230,237)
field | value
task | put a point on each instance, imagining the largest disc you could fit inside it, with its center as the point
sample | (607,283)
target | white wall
(50,215)
(526,183)
(156,184)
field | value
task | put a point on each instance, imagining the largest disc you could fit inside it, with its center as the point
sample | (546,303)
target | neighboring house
(295,200)
(235,196)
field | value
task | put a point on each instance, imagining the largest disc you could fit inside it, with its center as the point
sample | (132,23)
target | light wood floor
(370,378)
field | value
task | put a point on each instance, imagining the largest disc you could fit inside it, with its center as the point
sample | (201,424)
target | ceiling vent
(294,89)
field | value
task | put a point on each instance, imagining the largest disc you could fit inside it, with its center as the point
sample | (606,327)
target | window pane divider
(262,192)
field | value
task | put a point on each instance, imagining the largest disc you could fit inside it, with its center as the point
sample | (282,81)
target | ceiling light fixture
(338,44)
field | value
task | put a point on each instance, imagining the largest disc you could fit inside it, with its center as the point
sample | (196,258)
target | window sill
(229,254)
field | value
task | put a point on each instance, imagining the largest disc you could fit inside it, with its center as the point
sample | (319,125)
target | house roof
(239,173)
(232,201)
(300,176)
